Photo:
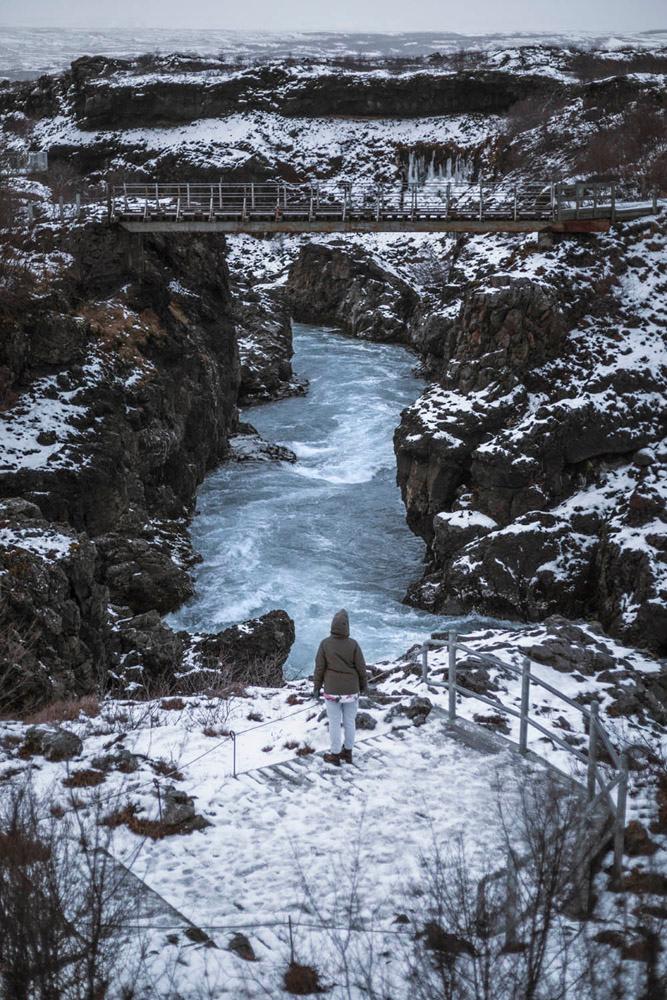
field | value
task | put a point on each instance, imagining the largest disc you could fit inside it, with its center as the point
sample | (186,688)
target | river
(324,533)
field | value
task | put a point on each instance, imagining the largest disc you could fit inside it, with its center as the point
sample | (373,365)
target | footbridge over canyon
(438,207)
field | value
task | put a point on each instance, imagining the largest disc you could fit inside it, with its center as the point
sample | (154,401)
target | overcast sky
(342,15)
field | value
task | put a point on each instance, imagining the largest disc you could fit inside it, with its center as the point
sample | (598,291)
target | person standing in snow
(341,669)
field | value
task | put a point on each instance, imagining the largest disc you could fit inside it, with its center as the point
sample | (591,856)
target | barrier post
(452,676)
(233,736)
(525,705)
(425,663)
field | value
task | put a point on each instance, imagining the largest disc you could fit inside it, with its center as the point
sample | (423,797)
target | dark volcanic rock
(52,742)
(345,287)
(252,652)
(140,575)
(104,103)
(53,611)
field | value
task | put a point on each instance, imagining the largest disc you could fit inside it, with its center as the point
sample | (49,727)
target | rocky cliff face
(120,387)
(534,466)
(346,287)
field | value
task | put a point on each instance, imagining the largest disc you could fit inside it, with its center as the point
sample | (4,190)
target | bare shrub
(62,904)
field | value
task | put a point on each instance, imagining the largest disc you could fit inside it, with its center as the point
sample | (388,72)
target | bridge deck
(440,208)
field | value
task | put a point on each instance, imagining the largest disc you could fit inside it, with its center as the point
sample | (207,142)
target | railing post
(592,750)
(425,662)
(525,705)
(613,203)
(252,195)
(220,193)
(515,205)
(655,200)
(448,197)
(621,803)
(481,197)
(452,676)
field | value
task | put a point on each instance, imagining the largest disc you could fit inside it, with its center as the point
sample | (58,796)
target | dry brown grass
(305,750)
(66,710)
(167,769)
(85,778)
(302,980)
(172,704)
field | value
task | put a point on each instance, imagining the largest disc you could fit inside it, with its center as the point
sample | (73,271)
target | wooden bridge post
(425,663)
(448,199)
(220,194)
(452,676)
(655,200)
(613,203)
(514,212)
(481,198)
(592,750)
(525,705)
(621,804)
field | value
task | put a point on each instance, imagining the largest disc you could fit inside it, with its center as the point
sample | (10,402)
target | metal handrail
(439,199)
(595,778)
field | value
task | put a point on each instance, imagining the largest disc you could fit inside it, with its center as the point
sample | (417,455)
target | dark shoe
(346,756)
(332,758)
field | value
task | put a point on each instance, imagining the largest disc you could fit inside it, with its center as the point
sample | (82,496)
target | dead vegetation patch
(66,710)
(84,778)
(302,980)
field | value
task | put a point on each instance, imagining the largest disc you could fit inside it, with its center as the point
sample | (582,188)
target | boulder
(365,721)
(52,742)
(252,652)
(178,808)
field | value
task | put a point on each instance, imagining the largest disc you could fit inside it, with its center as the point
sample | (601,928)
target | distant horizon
(287,30)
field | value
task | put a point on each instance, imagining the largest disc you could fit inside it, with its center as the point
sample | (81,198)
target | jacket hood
(340,625)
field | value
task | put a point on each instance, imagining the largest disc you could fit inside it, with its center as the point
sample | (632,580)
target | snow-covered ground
(279,834)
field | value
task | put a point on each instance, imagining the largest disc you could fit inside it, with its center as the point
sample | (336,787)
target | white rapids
(329,531)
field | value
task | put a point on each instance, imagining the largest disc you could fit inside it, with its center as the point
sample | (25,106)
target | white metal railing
(445,200)
(599,787)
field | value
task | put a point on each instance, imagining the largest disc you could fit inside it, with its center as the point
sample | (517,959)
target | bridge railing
(278,201)
(599,784)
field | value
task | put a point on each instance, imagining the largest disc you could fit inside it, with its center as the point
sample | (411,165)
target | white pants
(341,714)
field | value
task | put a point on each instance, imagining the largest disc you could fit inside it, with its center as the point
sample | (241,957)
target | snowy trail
(276,827)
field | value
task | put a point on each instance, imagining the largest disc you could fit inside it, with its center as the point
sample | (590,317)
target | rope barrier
(175,770)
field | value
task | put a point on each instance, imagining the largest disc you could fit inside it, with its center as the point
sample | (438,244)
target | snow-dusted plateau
(209,444)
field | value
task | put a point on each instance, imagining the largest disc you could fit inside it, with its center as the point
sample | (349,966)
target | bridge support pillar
(135,254)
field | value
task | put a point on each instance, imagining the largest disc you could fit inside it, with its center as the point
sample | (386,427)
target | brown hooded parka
(340,664)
